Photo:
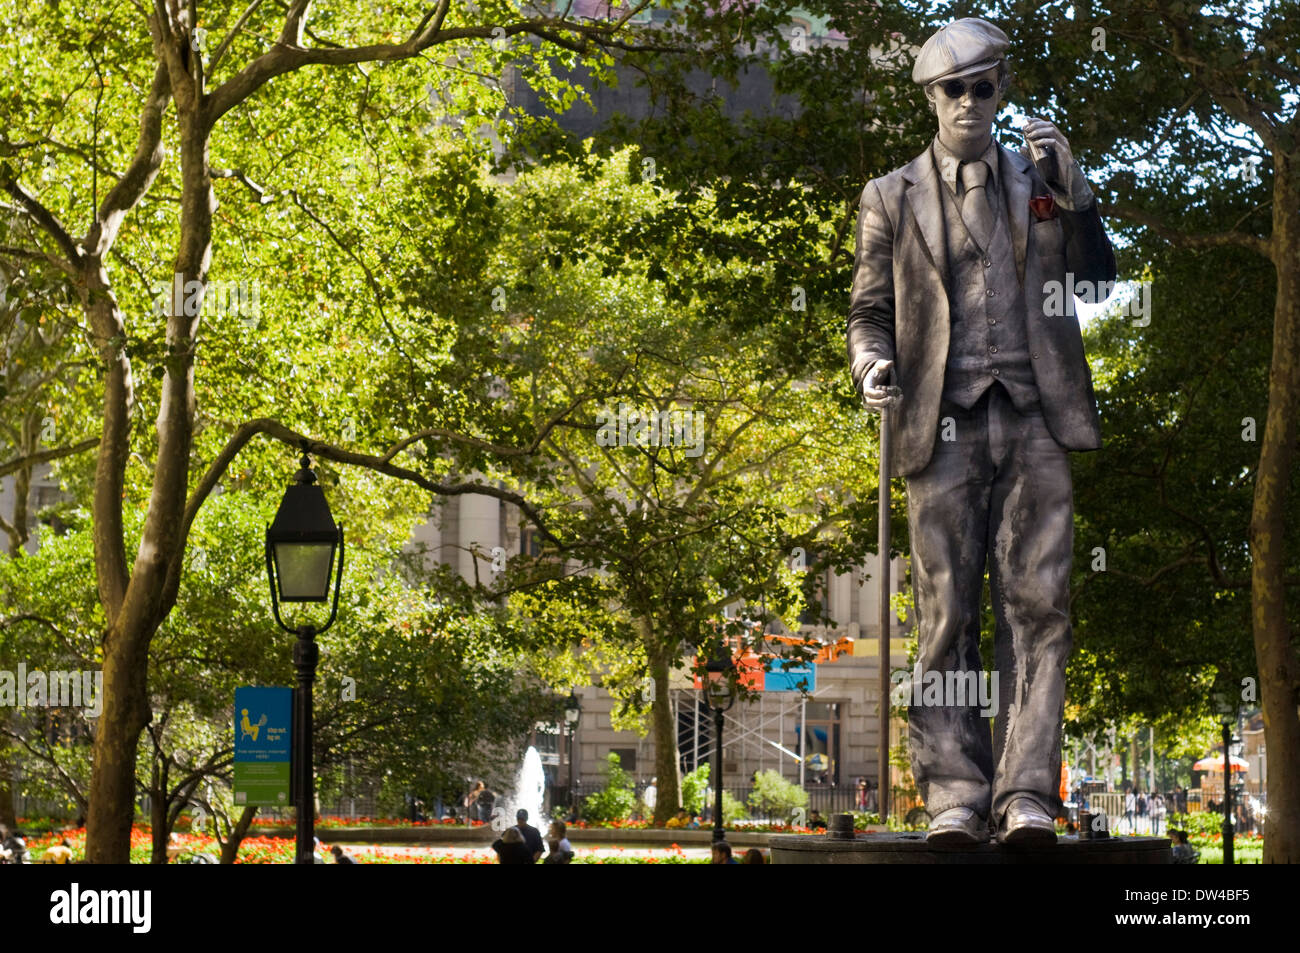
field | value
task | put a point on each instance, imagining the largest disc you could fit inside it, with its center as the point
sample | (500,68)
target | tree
(1207,97)
(200,102)
(1189,112)
(750,475)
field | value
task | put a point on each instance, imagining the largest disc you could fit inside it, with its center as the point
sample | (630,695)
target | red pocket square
(1043,207)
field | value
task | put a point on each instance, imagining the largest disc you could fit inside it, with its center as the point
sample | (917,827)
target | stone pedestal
(911,848)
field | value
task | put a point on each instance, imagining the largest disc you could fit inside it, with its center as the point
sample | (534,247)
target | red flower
(1043,207)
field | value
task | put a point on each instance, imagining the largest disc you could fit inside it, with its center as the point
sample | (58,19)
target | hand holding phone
(1045,143)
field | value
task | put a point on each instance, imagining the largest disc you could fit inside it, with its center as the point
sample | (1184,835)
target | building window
(626,758)
(821,741)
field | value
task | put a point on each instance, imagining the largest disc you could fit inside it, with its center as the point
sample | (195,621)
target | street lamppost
(572,713)
(1227,715)
(721,695)
(301,545)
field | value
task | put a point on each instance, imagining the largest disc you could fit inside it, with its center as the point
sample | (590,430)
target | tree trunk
(669,795)
(147,597)
(8,816)
(1275,652)
(112,778)
(161,830)
(230,849)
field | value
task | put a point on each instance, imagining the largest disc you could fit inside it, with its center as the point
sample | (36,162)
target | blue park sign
(263,737)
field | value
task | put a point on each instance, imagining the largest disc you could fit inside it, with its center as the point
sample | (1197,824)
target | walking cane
(882,547)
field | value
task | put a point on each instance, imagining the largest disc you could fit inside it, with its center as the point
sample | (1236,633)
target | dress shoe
(958,827)
(1026,823)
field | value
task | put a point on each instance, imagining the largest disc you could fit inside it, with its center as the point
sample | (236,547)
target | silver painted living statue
(952,326)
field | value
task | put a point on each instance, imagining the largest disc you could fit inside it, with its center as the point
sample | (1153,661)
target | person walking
(1158,811)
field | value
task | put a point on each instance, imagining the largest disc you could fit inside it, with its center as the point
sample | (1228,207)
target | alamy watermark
(935,689)
(212,299)
(40,689)
(630,426)
(1058,297)
(75,905)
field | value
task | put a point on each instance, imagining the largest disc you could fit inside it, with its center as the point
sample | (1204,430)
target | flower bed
(280,850)
(329,822)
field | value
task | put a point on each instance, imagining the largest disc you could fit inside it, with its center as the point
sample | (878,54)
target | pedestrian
(1140,809)
(511,849)
(60,853)
(340,857)
(471,799)
(486,802)
(1184,853)
(13,848)
(560,850)
(815,820)
(1158,811)
(532,836)
(861,802)
(754,856)
(651,796)
(872,804)
(721,853)
(1130,808)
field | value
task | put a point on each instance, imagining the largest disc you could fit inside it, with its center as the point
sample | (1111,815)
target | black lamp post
(301,549)
(721,695)
(1227,714)
(572,714)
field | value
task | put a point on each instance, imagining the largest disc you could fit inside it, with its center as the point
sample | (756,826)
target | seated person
(511,849)
(60,853)
(721,853)
(561,851)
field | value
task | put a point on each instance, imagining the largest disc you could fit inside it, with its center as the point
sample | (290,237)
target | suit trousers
(996,493)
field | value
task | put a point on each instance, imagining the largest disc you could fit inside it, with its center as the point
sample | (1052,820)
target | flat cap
(969,45)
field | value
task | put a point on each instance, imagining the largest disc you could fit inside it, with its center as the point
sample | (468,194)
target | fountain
(530,788)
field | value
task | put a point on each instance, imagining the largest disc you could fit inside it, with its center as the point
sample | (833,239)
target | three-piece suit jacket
(902,282)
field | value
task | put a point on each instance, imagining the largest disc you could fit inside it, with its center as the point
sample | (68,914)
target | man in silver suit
(955,326)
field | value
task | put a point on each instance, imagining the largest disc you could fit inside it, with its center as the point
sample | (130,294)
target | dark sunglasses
(956,89)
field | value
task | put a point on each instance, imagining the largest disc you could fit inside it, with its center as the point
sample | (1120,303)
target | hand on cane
(877,393)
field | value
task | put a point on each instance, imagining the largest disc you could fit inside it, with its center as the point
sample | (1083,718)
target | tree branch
(288,54)
(43,217)
(140,174)
(278,431)
(229,38)
(45,456)
(1261,246)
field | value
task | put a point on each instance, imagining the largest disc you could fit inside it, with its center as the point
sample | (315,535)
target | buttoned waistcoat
(903,283)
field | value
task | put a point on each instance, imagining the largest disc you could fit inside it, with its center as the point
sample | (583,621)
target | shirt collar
(947,163)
